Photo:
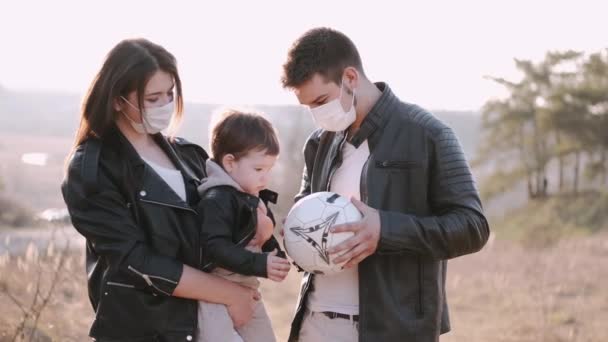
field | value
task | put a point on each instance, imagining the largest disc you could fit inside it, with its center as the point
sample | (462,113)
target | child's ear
(228,162)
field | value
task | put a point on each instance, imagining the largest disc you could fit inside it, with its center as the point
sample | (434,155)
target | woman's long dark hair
(127,68)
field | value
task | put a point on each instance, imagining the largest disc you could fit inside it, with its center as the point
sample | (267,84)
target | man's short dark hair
(321,50)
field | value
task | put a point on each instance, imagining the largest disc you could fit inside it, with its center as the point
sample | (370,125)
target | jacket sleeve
(310,154)
(268,196)
(459,226)
(219,222)
(101,214)
(273,244)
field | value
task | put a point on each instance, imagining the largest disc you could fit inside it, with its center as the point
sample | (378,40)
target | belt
(332,315)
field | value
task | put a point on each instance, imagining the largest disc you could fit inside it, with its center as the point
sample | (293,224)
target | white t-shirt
(340,292)
(172,177)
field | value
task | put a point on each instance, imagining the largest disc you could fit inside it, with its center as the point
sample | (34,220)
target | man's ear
(228,162)
(352,78)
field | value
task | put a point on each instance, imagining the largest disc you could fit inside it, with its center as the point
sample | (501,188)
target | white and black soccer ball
(307,237)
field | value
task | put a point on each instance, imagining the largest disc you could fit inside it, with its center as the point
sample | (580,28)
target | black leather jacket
(139,233)
(229,224)
(418,179)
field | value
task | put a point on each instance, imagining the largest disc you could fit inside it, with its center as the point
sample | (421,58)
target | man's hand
(365,241)
(277,268)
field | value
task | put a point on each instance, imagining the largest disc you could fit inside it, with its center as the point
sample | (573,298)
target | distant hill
(45,122)
(56,114)
(37,112)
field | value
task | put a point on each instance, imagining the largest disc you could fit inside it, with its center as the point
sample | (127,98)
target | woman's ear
(228,162)
(117,104)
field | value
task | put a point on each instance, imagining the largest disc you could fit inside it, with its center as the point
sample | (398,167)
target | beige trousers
(215,324)
(319,328)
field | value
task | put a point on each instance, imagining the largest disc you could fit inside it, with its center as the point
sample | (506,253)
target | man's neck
(366,98)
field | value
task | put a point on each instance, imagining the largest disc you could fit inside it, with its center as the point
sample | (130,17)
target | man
(407,174)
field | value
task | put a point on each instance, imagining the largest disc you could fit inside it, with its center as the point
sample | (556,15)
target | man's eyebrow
(319,98)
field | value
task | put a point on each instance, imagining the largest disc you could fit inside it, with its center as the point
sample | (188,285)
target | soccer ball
(307,237)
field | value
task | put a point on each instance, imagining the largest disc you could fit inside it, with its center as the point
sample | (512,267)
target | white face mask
(154,119)
(332,117)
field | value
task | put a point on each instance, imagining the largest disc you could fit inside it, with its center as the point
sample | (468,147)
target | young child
(237,226)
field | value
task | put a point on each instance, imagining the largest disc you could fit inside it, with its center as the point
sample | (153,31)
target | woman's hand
(198,285)
(241,310)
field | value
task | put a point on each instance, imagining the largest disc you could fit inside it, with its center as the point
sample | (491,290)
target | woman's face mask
(154,119)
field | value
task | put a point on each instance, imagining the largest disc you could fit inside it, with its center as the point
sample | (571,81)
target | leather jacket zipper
(335,167)
(112,283)
(420,287)
(148,281)
(252,232)
(398,164)
(309,282)
(148,276)
(169,205)
(363,198)
(363,181)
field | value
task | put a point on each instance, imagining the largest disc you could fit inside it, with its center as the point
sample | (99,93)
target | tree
(557,111)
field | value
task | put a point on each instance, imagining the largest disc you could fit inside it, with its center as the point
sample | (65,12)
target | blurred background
(523,84)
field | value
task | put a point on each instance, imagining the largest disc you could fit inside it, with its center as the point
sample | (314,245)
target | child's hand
(277,268)
(265,226)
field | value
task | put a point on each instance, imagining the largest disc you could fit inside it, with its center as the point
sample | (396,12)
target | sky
(433,53)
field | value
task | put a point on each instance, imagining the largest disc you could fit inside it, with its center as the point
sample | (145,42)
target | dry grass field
(507,292)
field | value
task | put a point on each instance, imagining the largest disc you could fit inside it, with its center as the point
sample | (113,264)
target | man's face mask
(332,117)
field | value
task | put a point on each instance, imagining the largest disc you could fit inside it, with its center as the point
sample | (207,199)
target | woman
(130,192)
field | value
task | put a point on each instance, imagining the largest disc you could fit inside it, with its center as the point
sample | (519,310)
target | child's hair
(239,132)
